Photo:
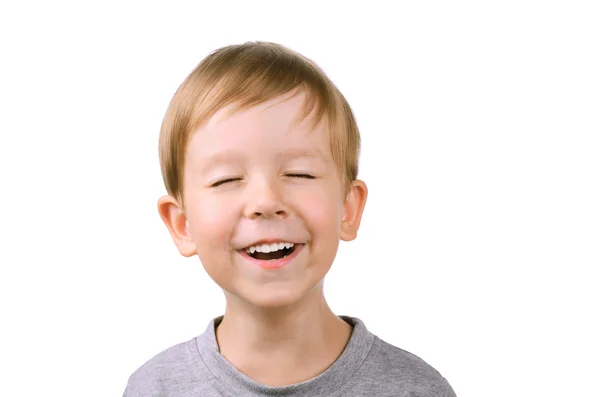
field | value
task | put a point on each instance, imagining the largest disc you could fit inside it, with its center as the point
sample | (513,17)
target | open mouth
(272,252)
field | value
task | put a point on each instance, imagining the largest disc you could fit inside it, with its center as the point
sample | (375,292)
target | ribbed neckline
(342,370)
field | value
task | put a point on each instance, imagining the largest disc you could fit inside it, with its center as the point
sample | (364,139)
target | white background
(480,242)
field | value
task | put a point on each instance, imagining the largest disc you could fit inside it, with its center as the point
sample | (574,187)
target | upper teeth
(266,248)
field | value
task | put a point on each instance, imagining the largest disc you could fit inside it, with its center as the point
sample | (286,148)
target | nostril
(268,214)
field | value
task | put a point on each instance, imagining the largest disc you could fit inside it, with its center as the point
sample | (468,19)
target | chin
(273,298)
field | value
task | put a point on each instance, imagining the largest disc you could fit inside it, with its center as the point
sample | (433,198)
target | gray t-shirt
(368,366)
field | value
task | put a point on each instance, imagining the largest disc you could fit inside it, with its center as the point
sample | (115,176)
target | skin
(257,174)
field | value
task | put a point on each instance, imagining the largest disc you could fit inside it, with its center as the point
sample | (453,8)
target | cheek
(322,215)
(321,209)
(212,222)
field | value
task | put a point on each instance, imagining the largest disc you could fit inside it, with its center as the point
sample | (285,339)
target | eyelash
(219,183)
(306,176)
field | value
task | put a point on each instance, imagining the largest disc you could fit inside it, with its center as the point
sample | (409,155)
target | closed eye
(223,181)
(307,176)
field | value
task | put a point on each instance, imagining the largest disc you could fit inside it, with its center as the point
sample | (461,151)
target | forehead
(272,124)
(283,112)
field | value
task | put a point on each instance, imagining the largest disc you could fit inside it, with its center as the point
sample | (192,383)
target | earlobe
(176,222)
(353,210)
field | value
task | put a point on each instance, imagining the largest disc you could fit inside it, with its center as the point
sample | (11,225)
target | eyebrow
(303,152)
(227,157)
(212,160)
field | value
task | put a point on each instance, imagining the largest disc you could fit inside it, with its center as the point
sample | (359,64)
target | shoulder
(396,360)
(401,370)
(166,372)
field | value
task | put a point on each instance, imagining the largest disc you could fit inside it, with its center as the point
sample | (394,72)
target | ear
(354,204)
(176,221)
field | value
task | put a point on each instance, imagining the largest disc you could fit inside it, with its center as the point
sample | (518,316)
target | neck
(281,346)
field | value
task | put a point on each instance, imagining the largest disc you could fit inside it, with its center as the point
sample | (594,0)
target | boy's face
(252,178)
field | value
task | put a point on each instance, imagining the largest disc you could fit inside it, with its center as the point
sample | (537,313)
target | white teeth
(266,248)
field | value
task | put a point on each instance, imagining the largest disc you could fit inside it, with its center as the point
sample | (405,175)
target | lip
(273,264)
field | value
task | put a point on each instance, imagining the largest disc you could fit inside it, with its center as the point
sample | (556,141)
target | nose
(265,199)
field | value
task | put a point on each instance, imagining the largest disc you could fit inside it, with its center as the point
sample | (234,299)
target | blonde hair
(246,75)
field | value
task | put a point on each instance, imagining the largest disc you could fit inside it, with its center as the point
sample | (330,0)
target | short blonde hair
(246,75)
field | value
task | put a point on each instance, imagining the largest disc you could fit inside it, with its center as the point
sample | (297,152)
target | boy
(259,155)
